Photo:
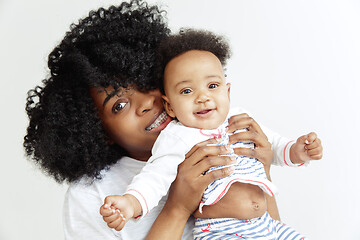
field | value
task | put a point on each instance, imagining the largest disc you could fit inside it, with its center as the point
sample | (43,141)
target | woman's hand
(186,191)
(190,173)
(229,205)
(262,150)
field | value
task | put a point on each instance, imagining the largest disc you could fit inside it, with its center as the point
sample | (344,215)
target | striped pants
(263,227)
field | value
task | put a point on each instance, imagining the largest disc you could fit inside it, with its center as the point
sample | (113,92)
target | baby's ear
(228,86)
(168,107)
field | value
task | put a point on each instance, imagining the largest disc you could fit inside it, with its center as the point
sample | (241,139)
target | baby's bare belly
(242,201)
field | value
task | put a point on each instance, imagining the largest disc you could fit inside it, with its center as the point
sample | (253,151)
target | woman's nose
(146,102)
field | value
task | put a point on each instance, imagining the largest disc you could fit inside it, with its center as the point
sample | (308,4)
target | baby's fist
(308,147)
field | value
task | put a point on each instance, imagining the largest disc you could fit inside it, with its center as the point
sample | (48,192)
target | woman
(79,134)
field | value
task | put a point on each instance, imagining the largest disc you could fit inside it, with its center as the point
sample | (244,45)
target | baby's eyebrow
(182,82)
(213,76)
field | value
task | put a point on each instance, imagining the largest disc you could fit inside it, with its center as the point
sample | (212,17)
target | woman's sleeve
(81,217)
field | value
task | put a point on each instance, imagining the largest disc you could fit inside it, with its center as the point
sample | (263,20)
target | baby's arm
(149,186)
(307,147)
(294,153)
(117,210)
(286,152)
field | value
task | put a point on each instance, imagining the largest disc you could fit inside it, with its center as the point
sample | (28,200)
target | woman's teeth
(159,120)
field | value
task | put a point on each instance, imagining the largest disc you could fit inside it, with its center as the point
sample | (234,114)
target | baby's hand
(116,211)
(307,147)
(113,217)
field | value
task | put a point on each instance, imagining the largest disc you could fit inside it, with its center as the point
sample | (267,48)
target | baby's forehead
(193,62)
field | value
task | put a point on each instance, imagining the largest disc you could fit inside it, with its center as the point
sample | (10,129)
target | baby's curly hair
(190,39)
(111,47)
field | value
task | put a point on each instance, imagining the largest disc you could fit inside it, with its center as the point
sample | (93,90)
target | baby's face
(196,90)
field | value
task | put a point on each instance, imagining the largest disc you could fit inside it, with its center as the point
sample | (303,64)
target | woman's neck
(140,156)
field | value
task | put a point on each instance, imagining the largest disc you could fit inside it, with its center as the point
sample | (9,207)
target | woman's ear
(109,141)
(168,107)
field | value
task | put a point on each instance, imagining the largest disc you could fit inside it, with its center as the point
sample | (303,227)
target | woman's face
(132,119)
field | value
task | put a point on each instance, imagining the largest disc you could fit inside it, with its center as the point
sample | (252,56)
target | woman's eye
(119,106)
(186,91)
(213,85)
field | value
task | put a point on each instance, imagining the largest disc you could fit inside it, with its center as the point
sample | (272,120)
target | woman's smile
(160,122)
(137,124)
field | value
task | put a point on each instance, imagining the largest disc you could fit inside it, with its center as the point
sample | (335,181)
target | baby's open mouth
(204,111)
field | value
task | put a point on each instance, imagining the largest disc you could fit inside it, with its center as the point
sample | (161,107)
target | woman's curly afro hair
(111,47)
(190,39)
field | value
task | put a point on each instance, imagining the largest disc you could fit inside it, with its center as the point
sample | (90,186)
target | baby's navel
(256,206)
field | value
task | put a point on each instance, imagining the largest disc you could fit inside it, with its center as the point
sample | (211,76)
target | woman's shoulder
(84,198)
(120,173)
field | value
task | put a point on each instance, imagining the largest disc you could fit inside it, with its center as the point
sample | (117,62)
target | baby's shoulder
(176,129)
(237,111)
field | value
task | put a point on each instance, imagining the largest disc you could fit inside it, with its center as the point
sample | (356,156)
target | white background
(295,66)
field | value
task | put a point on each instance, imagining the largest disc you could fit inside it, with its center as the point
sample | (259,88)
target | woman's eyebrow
(110,95)
(118,92)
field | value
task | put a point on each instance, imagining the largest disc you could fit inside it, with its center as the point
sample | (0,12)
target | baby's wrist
(294,157)
(135,205)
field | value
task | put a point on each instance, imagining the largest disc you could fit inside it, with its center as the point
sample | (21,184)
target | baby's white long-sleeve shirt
(169,150)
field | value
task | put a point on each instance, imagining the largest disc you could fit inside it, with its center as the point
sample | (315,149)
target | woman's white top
(82,220)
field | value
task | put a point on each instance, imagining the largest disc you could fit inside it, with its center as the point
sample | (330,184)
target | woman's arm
(262,150)
(186,191)
(272,207)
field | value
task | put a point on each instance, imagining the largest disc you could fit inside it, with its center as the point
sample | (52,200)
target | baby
(197,96)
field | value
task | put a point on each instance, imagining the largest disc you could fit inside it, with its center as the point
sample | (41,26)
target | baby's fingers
(120,225)
(111,218)
(314,145)
(106,211)
(316,153)
(116,220)
(310,138)
(110,201)
(315,149)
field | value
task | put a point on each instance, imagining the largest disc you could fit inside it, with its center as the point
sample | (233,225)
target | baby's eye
(118,106)
(186,91)
(213,85)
